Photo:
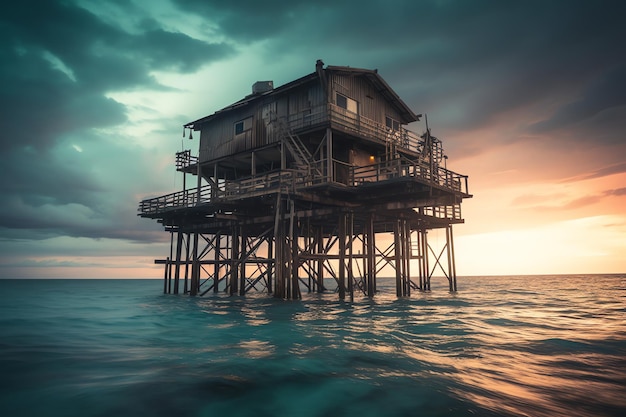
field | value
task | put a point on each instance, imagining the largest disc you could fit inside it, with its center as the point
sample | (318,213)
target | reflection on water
(513,346)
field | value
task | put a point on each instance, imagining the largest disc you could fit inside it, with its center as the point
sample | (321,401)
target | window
(243,126)
(347,103)
(392,124)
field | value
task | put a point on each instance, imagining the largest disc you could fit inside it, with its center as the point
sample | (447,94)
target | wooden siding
(371,103)
(218,139)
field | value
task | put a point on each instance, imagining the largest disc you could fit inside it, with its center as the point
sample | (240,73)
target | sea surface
(500,346)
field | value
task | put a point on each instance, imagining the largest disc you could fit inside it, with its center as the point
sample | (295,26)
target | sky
(528,97)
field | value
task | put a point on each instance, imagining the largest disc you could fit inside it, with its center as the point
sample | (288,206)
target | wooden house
(308,173)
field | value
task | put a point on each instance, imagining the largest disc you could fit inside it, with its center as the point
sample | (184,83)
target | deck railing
(292,180)
(404,167)
(369,128)
(283,181)
(184,160)
(356,123)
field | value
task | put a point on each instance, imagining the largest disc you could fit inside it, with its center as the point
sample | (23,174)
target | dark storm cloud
(252,20)
(99,58)
(606,92)
(472,61)
(58,62)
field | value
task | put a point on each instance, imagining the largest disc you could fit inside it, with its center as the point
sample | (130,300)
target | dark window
(243,125)
(392,124)
(347,103)
(342,101)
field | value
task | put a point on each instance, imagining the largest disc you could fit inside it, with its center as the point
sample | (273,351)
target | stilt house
(314,185)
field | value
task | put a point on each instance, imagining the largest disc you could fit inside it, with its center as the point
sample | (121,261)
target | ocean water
(500,346)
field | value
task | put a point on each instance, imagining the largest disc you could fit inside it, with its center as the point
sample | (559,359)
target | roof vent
(262,87)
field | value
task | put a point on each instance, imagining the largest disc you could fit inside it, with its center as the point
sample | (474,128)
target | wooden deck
(291,181)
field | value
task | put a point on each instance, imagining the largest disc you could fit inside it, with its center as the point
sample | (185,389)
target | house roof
(371,75)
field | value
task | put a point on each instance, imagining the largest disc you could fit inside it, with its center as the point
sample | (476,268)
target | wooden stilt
(195,267)
(217,266)
(179,249)
(342,256)
(187,260)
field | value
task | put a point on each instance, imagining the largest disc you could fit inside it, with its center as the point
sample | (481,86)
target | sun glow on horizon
(586,245)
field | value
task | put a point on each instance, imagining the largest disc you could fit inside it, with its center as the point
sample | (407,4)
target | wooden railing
(363,126)
(184,160)
(357,123)
(404,167)
(444,212)
(292,180)
(271,182)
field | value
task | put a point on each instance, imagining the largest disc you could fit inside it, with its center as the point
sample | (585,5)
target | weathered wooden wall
(371,103)
(218,138)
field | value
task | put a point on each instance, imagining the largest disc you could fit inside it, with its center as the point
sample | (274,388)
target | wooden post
(350,232)
(407,260)
(187,248)
(341,234)
(426,262)
(169,263)
(165,276)
(242,262)
(295,249)
(234,270)
(179,249)
(195,267)
(320,262)
(397,245)
(451,263)
(270,264)
(279,287)
(217,265)
(371,256)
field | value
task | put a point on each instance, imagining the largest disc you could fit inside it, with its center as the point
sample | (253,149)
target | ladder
(301,155)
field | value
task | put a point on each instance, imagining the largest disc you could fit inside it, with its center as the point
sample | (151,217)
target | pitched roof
(371,75)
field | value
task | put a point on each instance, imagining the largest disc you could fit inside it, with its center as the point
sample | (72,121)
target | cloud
(562,202)
(618,192)
(605,92)
(604,171)
(59,63)
(57,68)
(466,64)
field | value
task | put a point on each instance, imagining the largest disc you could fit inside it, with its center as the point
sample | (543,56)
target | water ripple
(514,346)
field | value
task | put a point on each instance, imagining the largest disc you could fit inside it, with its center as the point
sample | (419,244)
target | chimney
(260,87)
(319,65)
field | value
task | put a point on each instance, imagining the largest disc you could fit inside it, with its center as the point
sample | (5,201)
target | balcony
(289,180)
(357,125)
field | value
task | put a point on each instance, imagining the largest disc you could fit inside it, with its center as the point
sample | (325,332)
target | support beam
(342,253)
(217,266)
(195,267)
(179,249)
